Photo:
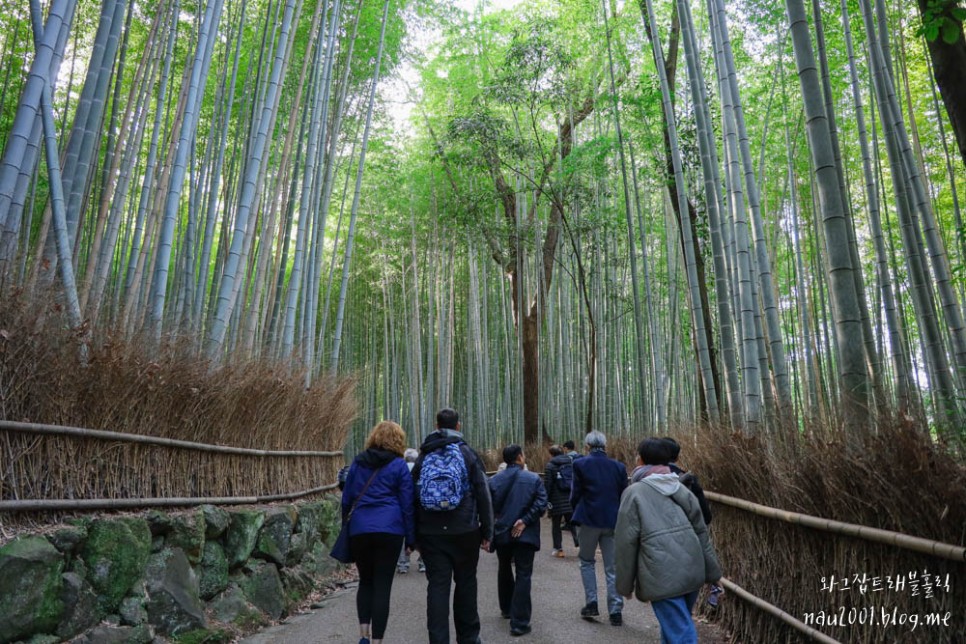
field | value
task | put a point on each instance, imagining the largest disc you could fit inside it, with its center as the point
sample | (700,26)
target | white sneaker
(557,553)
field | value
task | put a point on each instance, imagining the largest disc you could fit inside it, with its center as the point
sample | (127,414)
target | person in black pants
(519,500)
(558,478)
(450,540)
(378,500)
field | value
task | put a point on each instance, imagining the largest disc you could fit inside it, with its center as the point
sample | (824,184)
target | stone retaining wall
(180,576)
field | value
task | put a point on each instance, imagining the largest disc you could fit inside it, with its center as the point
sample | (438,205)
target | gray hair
(595,440)
(410,455)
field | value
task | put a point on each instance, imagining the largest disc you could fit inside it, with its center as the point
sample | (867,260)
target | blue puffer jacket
(517,494)
(387,505)
(596,494)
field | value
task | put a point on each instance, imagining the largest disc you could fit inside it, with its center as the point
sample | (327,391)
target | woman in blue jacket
(380,486)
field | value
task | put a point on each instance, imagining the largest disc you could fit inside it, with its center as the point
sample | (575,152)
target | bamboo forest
(552,215)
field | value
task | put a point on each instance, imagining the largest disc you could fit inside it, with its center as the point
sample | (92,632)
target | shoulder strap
(361,494)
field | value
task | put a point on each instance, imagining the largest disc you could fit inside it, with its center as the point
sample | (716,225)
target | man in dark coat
(519,500)
(688,479)
(596,495)
(450,541)
(570,448)
(558,478)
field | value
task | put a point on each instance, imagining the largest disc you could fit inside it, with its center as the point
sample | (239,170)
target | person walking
(454,521)
(598,484)
(571,450)
(519,500)
(663,551)
(559,478)
(379,494)
(688,479)
(402,566)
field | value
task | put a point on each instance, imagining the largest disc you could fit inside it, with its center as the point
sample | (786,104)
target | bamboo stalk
(888,537)
(50,505)
(775,611)
(37,428)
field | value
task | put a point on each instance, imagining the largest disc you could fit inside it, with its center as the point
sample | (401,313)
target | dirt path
(557,598)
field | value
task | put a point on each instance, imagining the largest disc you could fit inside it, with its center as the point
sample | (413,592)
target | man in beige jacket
(663,552)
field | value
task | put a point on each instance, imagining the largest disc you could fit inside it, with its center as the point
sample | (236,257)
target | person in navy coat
(595,496)
(381,487)
(519,500)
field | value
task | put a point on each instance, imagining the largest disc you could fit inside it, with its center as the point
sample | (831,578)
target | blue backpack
(443,479)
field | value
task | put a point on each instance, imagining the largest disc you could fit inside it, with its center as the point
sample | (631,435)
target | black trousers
(514,590)
(375,554)
(556,531)
(451,559)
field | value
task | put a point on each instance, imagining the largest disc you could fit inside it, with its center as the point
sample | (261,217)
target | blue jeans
(590,538)
(674,616)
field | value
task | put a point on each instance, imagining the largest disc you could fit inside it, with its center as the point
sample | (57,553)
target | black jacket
(690,481)
(475,511)
(517,494)
(559,499)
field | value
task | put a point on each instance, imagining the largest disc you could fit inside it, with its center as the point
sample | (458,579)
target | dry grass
(171,393)
(895,480)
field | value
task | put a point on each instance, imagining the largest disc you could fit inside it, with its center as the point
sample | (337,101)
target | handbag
(340,549)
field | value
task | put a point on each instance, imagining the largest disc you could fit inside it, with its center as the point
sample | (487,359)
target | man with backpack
(558,478)
(454,521)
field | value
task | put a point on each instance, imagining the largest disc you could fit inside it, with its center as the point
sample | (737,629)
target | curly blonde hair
(389,436)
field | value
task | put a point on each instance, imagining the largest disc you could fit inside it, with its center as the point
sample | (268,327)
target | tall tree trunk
(899,359)
(57,190)
(26,128)
(762,261)
(635,282)
(698,301)
(199,73)
(854,379)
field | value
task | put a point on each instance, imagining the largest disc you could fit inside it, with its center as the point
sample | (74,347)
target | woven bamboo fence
(822,507)
(47,467)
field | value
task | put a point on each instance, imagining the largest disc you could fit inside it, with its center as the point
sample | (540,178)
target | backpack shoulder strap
(365,487)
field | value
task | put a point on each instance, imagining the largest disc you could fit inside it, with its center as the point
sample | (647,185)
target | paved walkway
(557,597)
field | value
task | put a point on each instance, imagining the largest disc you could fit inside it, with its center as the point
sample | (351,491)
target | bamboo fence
(47,468)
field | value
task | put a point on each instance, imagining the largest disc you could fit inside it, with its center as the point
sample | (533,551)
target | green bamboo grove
(551,215)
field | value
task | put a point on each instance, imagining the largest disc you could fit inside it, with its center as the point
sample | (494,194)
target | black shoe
(504,615)
(516,631)
(589,612)
(616,619)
